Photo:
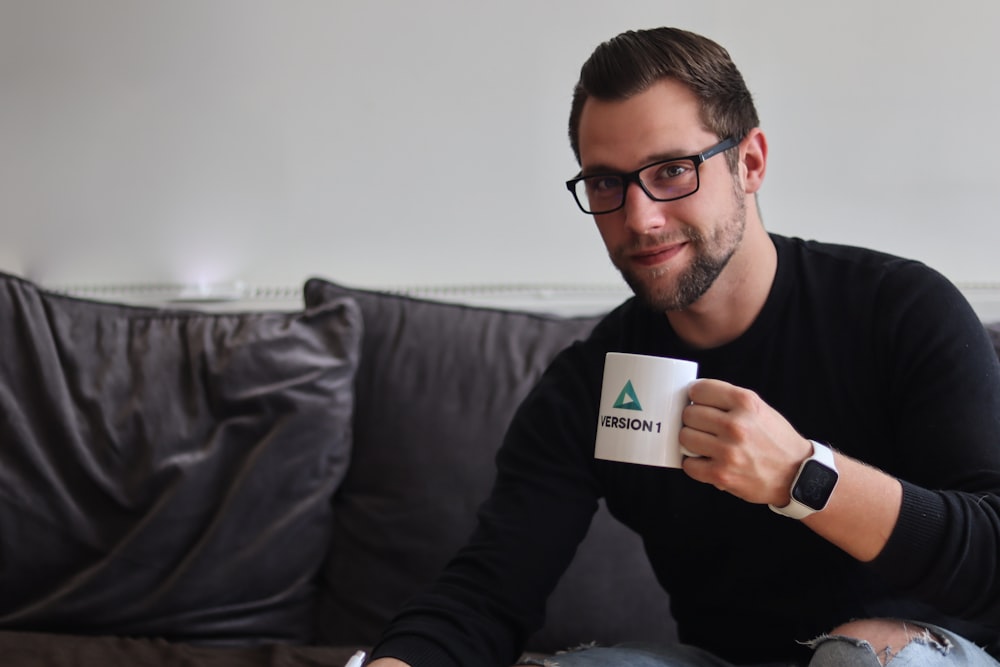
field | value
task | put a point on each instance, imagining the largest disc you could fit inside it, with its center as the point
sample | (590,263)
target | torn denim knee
(839,650)
(536,662)
(634,654)
(552,660)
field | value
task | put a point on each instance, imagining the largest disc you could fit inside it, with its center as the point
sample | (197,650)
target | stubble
(712,254)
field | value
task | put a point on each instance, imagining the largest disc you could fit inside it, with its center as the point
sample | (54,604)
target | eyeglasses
(665,180)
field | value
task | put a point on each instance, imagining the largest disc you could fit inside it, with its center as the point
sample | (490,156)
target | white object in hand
(641,410)
(356,660)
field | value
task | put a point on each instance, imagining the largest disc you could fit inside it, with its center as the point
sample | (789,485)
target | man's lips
(657,255)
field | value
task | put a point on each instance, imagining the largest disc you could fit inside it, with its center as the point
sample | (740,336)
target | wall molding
(569,299)
(554,298)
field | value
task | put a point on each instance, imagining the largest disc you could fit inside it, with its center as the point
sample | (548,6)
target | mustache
(647,241)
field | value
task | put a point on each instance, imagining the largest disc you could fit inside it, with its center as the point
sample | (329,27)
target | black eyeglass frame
(633,176)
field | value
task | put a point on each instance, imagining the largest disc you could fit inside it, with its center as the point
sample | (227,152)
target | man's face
(670,253)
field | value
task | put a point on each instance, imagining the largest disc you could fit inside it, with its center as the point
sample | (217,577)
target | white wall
(423,142)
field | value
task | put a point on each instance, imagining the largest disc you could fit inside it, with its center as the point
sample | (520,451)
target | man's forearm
(863,509)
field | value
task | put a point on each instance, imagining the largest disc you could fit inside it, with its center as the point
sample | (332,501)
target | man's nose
(642,214)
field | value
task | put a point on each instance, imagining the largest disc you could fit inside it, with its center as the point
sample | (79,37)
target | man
(861,381)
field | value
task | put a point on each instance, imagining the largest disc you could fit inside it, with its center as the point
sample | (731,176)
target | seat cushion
(29,649)
(993,329)
(437,385)
(168,473)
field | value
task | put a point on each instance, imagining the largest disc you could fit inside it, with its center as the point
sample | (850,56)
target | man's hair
(633,61)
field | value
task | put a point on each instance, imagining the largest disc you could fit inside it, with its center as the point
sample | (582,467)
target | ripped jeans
(937,648)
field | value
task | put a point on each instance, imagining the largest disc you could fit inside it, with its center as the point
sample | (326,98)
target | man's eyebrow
(599,168)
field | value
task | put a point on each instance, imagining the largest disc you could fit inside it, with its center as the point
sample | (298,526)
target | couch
(262,488)
(234,489)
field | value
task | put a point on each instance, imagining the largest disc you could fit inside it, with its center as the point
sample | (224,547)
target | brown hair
(633,61)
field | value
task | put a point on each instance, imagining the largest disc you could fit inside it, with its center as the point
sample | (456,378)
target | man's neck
(736,298)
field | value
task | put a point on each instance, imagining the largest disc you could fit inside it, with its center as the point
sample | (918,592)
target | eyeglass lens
(661,181)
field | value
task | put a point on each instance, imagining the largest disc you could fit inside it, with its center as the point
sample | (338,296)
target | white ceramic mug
(642,398)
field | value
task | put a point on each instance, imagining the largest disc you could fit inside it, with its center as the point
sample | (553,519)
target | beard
(712,254)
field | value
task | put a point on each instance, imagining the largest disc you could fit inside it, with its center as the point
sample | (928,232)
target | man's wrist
(813,484)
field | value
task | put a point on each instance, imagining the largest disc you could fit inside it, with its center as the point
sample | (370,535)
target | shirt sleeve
(944,399)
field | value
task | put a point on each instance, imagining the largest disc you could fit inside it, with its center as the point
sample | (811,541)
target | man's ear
(753,159)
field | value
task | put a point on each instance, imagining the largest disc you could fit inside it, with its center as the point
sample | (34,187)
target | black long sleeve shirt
(878,356)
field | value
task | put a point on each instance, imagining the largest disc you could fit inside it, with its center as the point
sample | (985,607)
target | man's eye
(604,184)
(672,170)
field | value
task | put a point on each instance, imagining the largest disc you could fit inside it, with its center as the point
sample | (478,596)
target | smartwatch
(813,485)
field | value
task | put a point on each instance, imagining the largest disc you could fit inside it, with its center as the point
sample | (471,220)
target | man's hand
(751,451)
(388,662)
(746,448)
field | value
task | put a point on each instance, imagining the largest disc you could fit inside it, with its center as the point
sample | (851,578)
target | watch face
(814,485)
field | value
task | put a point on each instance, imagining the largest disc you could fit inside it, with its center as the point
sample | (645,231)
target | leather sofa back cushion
(436,388)
(168,473)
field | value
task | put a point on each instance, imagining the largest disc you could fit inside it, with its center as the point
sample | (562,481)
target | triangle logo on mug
(627,400)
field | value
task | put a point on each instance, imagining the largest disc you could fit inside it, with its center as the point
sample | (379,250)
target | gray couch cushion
(436,388)
(29,649)
(168,473)
(993,329)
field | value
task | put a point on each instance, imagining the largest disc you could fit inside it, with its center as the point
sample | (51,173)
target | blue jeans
(829,651)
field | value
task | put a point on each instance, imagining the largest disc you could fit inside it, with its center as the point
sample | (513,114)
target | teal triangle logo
(627,400)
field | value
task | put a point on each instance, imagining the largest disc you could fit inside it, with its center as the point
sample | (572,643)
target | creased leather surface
(168,473)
